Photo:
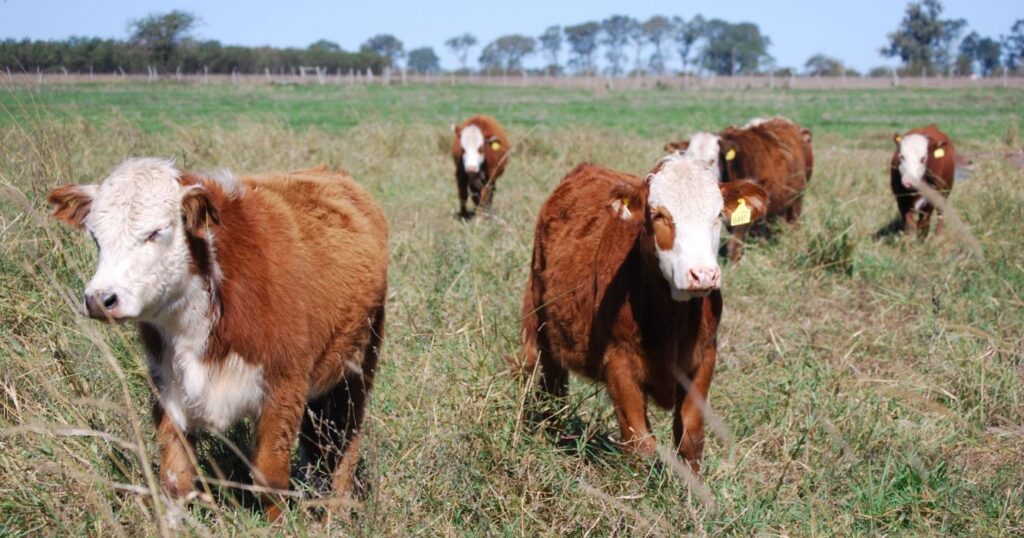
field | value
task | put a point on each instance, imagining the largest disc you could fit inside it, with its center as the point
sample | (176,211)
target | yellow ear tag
(625,202)
(940,153)
(730,156)
(740,215)
(496,145)
(899,139)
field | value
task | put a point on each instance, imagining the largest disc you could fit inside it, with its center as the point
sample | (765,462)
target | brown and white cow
(257,297)
(924,157)
(480,151)
(774,152)
(624,288)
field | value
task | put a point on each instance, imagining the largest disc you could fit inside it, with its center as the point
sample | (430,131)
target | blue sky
(850,30)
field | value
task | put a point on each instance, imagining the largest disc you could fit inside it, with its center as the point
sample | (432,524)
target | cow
(257,297)
(774,152)
(923,158)
(624,288)
(480,150)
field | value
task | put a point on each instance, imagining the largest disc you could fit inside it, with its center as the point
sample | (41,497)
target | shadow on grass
(891,229)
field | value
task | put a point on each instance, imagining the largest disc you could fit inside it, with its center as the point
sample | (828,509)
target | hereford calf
(923,158)
(624,289)
(480,151)
(258,297)
(776,153)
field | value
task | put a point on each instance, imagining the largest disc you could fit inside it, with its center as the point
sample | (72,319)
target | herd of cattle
(264,296)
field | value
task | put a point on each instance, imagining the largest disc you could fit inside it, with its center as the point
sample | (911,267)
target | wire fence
(320,76)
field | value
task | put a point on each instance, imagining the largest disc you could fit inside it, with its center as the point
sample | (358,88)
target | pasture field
(866,385)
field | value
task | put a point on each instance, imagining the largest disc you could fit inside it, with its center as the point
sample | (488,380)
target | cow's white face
(135,217)
(472,140)
(685,205)
(704,148)
(913,159)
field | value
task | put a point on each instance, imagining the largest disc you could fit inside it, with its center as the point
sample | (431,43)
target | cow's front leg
(486,193)
(629,401)
(276,431)
(177,471)
(463,184)
(691,400)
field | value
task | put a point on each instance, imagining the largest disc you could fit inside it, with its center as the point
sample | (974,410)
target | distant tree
(582,40)
(731,49)
(324,45)
(879,72)
(423,60)
(639,41)
(615,35)
(1013,46)
(385,45)
(687,33)
(507,52)
(460,46)
(821,65)
(551,44)
(923,39)
(658,29)
(979,53)
(162,33)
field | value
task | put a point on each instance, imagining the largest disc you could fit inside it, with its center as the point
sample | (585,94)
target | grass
(865,386)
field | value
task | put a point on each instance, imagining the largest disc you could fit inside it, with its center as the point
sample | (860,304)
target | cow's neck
(185,324)
(666,323)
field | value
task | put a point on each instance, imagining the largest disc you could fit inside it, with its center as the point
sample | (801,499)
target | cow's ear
(805,134)
(897,138)
(627,202)
(454,128)
(677,146)
(198,211)
(744,201)
(72,203)
(495,144)
(730,149)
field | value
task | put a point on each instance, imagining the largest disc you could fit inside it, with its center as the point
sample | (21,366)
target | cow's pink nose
(472,169)
(705,278)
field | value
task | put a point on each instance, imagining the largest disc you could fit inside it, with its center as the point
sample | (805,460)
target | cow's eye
(154,235)
(481,150)
(902,158)
(922,159)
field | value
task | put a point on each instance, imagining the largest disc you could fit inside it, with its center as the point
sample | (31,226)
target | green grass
(866,386)
(982,114)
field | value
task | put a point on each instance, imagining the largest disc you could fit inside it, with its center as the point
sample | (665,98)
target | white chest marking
(197,394)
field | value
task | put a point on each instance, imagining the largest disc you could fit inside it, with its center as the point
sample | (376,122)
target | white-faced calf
(258,297)
(924,158)
(624,288)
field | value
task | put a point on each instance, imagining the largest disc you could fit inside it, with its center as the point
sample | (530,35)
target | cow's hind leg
(333,426)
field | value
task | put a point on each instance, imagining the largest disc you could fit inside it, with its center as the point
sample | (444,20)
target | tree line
(620,45)
(165,42)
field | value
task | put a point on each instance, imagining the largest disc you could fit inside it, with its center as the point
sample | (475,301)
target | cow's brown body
(597,304)
(481,185)
(777,154)
(915,210)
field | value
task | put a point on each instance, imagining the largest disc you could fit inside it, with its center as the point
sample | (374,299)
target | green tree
(161,34)
(657,30)
(582,40)
(385,45)
(923,39)
(1013,45)
(551,44)
(507,52)
(460,46)
(731,49)
(821,65)
(423,60)
(687,33)
(982,53)
(615,35)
